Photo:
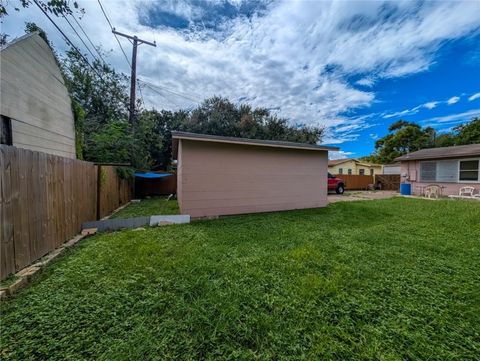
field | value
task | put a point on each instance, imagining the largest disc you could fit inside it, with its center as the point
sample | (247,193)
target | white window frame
(478,170)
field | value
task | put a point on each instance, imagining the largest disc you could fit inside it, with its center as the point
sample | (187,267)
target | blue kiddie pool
(405,189)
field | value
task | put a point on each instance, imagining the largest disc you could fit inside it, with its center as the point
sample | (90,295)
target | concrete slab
(116,224)
(361,196)
(163,220)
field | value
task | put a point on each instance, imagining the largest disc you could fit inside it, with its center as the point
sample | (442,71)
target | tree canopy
(405,137)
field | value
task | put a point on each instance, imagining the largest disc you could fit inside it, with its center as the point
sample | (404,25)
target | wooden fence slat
(390,182)
(7,249)
(44,242)
(21,219)
(51,226)
(33,206)
(61,220)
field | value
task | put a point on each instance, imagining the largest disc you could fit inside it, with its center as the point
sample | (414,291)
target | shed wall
(221,179)
(34,96)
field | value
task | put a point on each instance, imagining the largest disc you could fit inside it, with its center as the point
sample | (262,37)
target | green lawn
(148,207)
(395,279)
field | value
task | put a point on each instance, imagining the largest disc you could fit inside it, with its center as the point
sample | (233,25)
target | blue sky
(351,66)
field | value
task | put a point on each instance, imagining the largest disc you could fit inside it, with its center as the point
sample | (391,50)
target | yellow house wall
(355,167)
(345,166)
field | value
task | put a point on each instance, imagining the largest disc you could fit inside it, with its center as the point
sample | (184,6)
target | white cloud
(430,105)
(474,96)
(453,118)
(368,82)
(453,100)
(297,57)
(339,155)
(402,113)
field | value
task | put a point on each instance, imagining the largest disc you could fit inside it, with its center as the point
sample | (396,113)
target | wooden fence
(113,191)
(356,181)
(44,199)
(388,182)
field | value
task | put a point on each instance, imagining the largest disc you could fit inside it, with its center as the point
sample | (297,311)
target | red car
(336,184)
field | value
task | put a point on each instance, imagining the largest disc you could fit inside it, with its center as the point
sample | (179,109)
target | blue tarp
(151,175)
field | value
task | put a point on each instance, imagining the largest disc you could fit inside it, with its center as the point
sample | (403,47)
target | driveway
(360,196)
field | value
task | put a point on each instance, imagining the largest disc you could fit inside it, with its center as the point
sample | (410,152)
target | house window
(340,170)
(428,171)
(6,131)
(362,171)
(469,170)
(371,172)
(349,171)
(447,171)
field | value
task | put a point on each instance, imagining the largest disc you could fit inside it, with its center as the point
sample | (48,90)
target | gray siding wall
(34,96)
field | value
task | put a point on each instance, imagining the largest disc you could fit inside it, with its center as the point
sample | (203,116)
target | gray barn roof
(458,151)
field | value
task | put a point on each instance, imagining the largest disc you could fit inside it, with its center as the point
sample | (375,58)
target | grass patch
(10,280)
(149,207)
(388,280)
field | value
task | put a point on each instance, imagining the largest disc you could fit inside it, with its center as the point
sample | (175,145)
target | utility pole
(133,78)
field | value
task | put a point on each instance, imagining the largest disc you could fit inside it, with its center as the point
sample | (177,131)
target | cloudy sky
(352,66)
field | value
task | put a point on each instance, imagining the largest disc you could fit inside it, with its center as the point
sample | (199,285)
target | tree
(158,134)
(55,7)
(3,39)
(31,27)
(468,133)
(219,116)
(404,137)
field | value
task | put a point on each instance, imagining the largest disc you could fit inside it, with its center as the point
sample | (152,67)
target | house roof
(457,151)
(246,141)
(340,161)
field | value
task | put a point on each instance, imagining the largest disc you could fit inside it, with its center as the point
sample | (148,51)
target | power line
(81,39)
(112,28)
(162,95)
(88,38)
(141,94)
(66,38)
(170,91)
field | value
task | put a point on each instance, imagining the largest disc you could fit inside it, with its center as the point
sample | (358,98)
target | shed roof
(457,151)
(246,141)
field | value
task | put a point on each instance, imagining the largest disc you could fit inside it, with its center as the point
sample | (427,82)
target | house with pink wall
(224,175)
(449,167)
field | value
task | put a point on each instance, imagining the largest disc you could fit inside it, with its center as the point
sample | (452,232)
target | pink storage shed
(224,175)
